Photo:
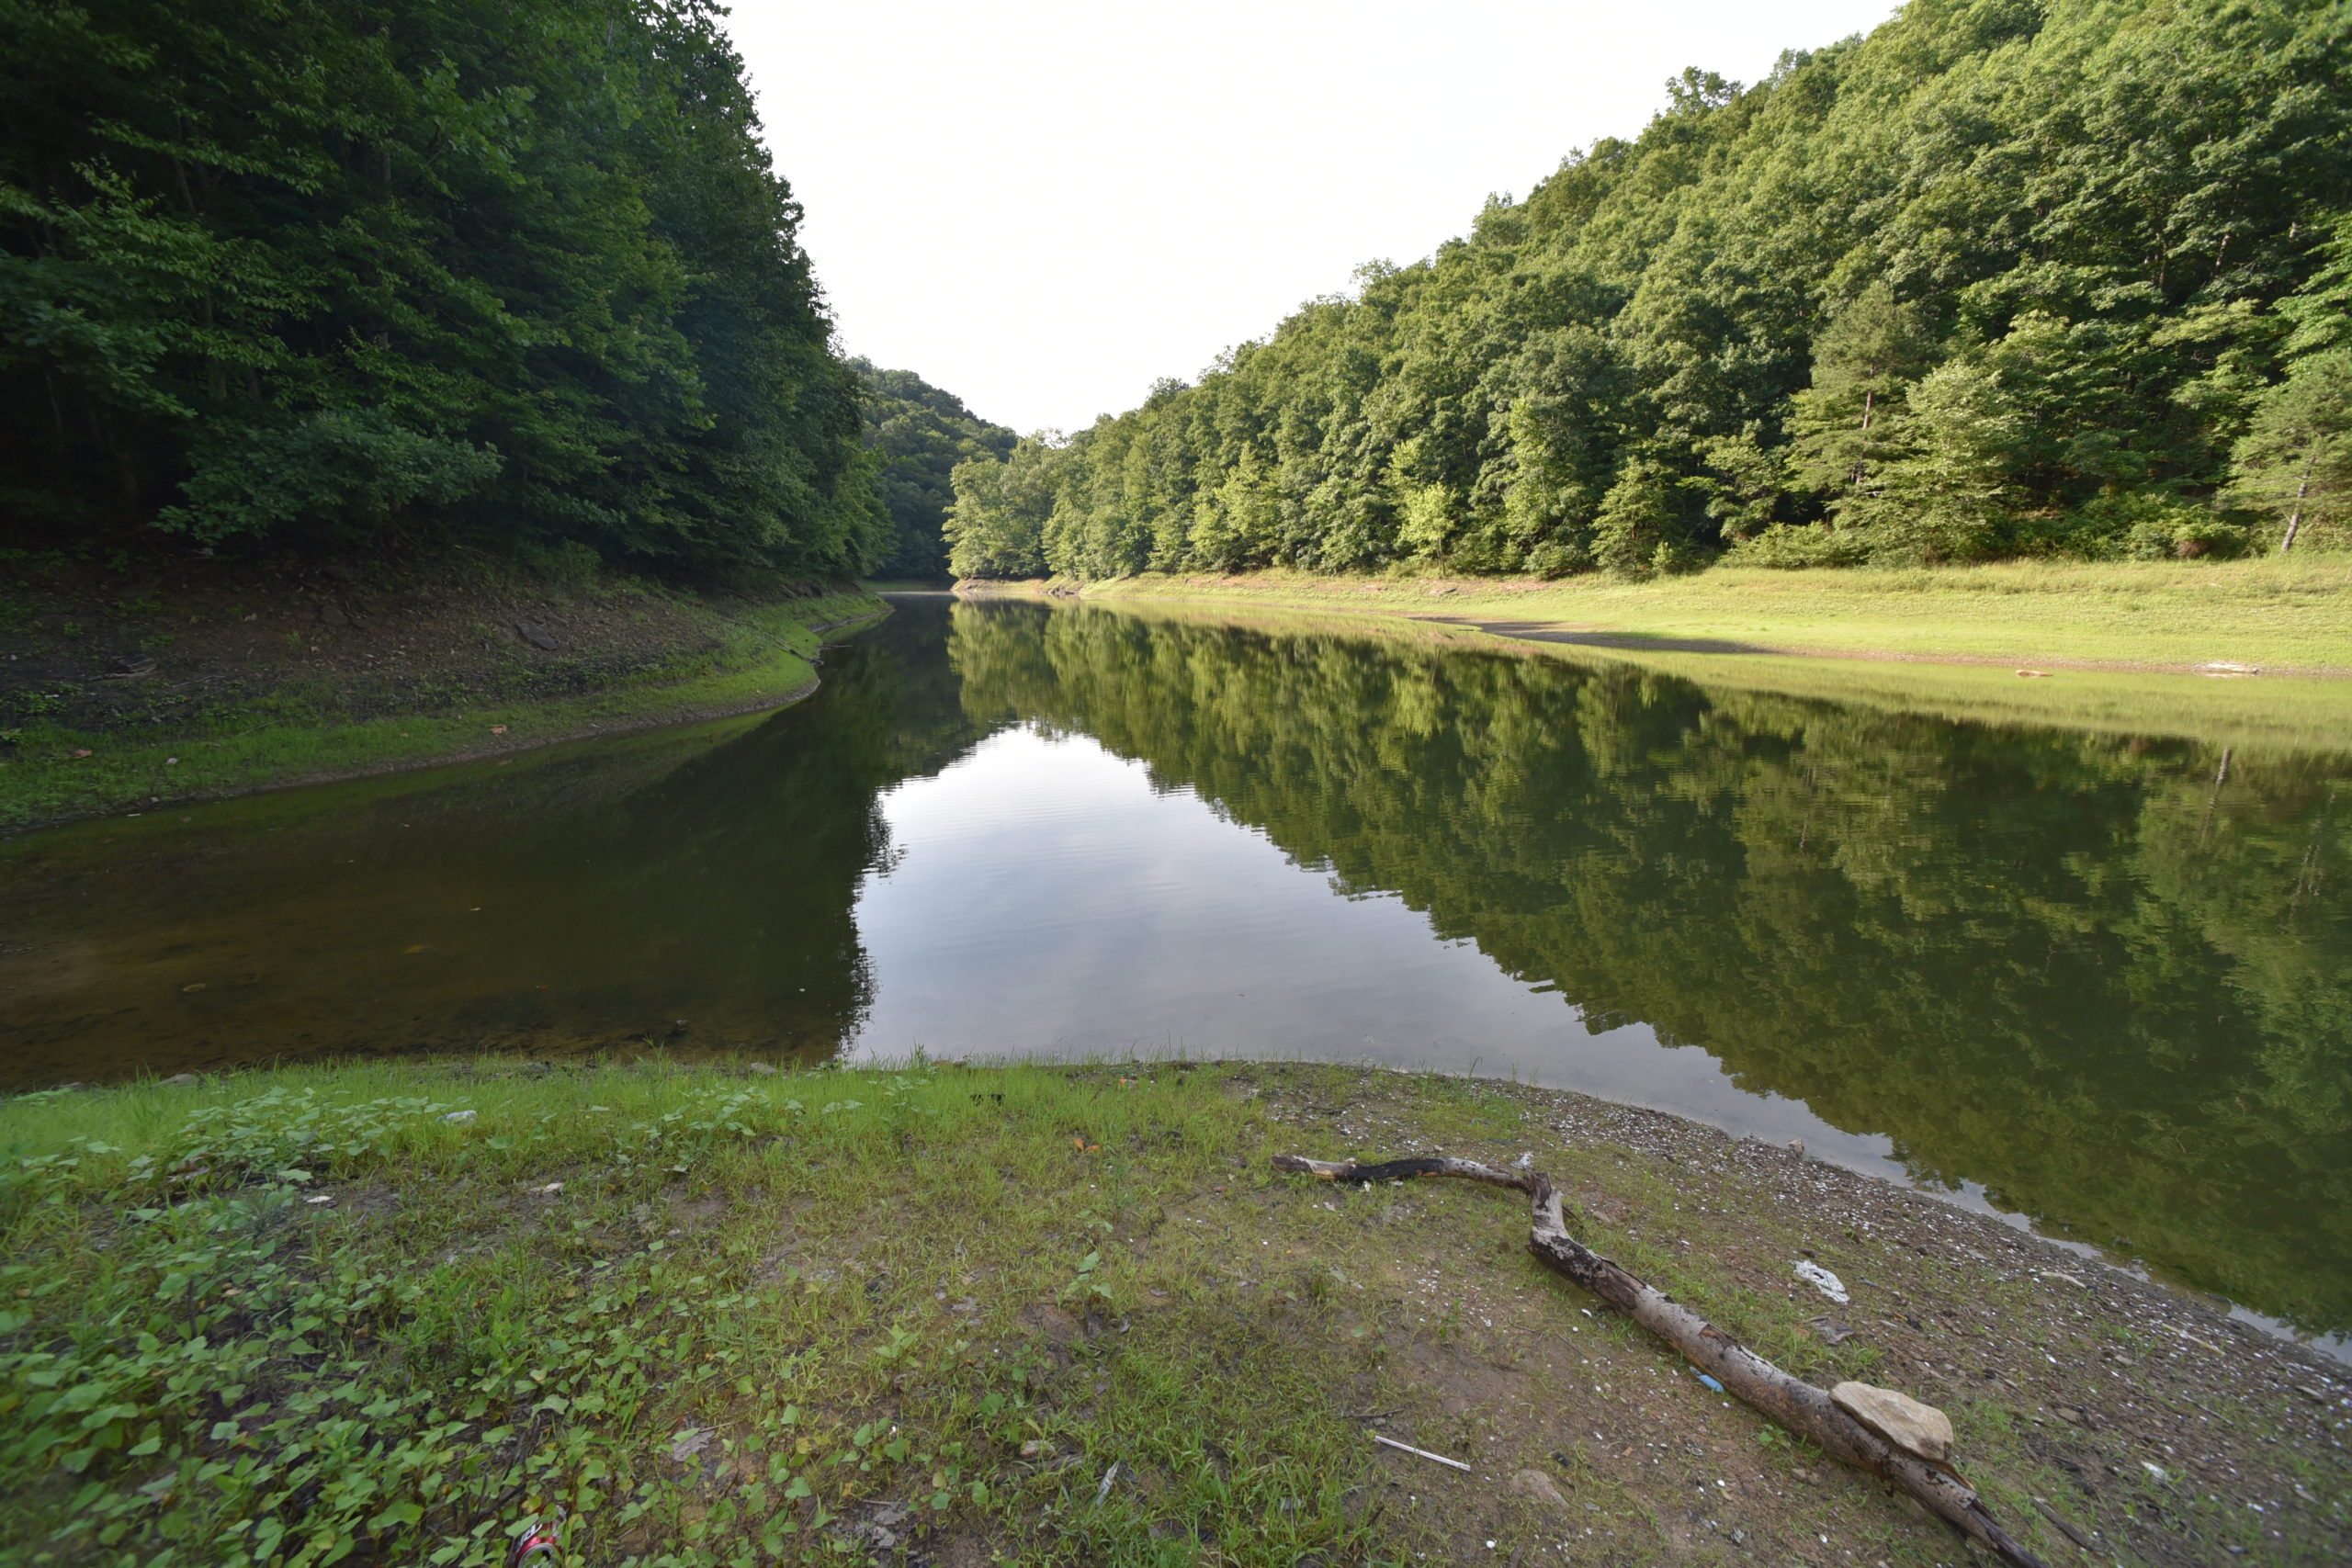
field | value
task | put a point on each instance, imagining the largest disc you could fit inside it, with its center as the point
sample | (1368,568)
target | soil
(105,653)
(2139,1424)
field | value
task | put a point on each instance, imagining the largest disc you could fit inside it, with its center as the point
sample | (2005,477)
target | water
(2106,983)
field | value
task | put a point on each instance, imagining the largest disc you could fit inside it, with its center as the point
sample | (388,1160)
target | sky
(1046,206)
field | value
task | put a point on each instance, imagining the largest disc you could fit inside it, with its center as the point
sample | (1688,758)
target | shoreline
(1127,1260)
(696,664)
(2310,713)
(2287,620)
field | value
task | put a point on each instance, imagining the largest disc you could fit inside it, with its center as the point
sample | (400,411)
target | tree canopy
(283,269)
(921,434)
(2004,277)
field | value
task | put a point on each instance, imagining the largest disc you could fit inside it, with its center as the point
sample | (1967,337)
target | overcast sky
(1043,206)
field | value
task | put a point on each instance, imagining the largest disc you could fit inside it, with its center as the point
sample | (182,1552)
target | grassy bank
(2291,615)
(2295,713)
(324,684)
(958,1316)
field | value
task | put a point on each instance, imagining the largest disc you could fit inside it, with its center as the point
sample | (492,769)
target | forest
(921,434)
(317,274)
(2004,277)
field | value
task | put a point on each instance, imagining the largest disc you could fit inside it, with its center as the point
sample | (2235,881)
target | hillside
(920,433)
(348,276)
(2002,278)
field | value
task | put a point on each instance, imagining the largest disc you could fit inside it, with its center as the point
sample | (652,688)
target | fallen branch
(1790,1401)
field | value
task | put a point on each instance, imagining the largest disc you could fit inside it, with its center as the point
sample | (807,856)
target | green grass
(2293,615)
(290,737)
(394,1312)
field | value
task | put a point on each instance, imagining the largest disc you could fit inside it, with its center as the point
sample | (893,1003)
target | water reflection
(682,892)
(2110,980)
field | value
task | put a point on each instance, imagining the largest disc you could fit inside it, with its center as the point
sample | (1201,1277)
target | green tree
(996,526)
(301,270)
(920,433)
(2003,277)
(2295,464)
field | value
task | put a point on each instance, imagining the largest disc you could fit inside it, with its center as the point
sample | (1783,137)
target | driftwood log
(1789,1401)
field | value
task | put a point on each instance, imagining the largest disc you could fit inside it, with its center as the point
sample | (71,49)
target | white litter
(1421,1453)
(459,1116)
(1822,1280)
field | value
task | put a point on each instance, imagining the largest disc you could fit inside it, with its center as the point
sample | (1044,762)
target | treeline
(2004,277)
(311,270)
(920,433)
(2105,976)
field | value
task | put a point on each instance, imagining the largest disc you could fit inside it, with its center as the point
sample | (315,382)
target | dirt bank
(204,677)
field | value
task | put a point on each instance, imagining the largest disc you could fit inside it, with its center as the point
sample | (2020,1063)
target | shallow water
(2104,982)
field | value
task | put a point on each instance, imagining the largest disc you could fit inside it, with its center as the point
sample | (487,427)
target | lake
(2099,980)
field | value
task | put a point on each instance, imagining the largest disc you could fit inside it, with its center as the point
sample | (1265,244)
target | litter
(1708,1381)
(1105,1489)
(1822,1280)
(1421,1453)
(459,1116)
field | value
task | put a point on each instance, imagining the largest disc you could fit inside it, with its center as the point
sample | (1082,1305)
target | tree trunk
(2303,491)
(1789,1401)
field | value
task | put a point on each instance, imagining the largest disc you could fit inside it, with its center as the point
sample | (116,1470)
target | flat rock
(1917,1428)
(1538,1487)
(536,634)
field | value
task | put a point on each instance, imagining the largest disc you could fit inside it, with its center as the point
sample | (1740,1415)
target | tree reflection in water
(2091,973)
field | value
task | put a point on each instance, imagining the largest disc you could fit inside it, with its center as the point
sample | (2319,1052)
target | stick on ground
(1788,1401)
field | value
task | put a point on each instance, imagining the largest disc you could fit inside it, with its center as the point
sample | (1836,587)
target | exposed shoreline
(2284,619)
(2305,711)
(2088,1405)
(414,676)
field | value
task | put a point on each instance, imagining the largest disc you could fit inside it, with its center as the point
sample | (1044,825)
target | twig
(1424,1453)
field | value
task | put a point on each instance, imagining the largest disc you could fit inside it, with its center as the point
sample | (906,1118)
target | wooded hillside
(308,271)
(2005,277)
(920,433)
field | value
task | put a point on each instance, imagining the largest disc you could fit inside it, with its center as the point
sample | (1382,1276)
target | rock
(132,664)
(762,1069)
(331,613)
(1538,1487)
(181,1080)
(1902,1420)
(690,1441)
(536,634)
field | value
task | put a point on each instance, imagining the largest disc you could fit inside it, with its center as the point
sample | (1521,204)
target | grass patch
(2292,614)
(302,731)
(404,1312)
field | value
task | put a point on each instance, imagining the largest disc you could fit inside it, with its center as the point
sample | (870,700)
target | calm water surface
(2103,982)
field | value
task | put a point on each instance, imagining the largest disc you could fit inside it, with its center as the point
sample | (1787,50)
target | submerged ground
(951,1316)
